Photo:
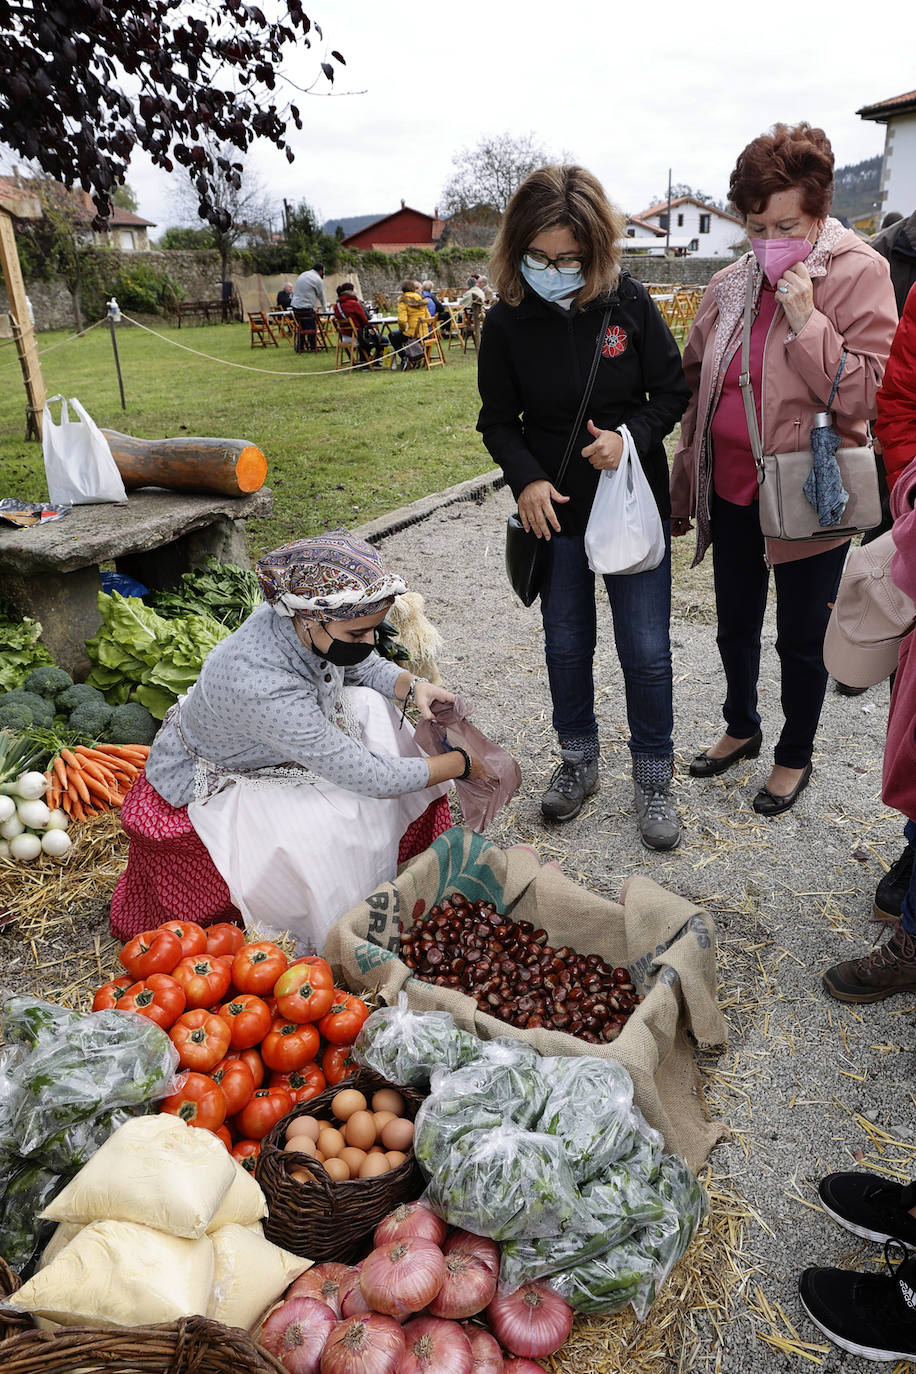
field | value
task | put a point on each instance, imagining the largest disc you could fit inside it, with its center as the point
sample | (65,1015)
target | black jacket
(534,362)
(898,245)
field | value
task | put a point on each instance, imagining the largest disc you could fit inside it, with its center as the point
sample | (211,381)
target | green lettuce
(20,651)
(141,656)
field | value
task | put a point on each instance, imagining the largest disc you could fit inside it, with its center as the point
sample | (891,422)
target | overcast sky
(629,88)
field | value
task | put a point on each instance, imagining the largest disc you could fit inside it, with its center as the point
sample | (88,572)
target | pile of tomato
(256,1031)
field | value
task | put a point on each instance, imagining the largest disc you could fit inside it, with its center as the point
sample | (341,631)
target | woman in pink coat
(818,291)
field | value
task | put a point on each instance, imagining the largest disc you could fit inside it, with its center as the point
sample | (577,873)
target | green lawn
(341,449)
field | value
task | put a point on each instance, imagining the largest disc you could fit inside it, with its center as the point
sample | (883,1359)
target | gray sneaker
(659,826)
(573,780)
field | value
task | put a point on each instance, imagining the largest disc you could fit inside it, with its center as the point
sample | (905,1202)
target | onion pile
(28,827)
(403,1309)
(514,974)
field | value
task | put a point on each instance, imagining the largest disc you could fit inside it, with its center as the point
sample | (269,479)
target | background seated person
(350,314)
(413,321)
(285,296)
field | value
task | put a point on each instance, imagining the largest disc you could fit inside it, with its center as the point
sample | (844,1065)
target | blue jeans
(641,608)
(908,913)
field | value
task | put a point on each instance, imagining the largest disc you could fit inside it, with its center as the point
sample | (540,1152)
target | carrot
(76,778)
(94,770)
(134,752)
(60,770)
(52,797)
(96,791)
(66,801)
(70,759)
(77,811)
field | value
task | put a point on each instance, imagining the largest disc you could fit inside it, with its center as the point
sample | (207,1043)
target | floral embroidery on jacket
(615,342)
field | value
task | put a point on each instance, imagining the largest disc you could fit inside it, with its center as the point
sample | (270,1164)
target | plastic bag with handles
(78,462)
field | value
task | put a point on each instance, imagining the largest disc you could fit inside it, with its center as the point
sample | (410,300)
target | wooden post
(23,332)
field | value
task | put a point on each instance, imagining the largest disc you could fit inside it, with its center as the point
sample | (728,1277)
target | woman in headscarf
(287,785)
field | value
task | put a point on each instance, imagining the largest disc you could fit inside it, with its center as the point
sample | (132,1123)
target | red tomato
(110,994)
(159,998)
(306,990)
(301,1084)
(289,1045)
(205,980)
(262,1113)
(224,938)
(246,1152)
(236,1080)
(254,1061)
(153,951)
(200,1102)
(337,1063)
(257,967)
(225,1136)
(248,1020)
(340,1025)
(201,1040)
(191,937)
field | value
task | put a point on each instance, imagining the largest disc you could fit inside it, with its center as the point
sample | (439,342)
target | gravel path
(803,1078)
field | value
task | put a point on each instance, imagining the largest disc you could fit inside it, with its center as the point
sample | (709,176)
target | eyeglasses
(567,263)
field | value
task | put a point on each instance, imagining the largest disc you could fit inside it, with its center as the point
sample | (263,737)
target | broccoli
(48,681)
(131,724)
(39,711)
(91,719)
(14,718)
(77,694)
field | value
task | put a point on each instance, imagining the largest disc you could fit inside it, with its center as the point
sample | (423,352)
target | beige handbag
(785,511)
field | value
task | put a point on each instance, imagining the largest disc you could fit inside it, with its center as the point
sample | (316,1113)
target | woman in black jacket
(556,267)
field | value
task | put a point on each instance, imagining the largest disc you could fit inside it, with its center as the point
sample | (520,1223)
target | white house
(710,233)
(898,170)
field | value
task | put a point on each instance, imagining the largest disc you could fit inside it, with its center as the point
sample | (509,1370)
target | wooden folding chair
(261,331)
(433,352)
(322,324)
(346,353)
(456,328)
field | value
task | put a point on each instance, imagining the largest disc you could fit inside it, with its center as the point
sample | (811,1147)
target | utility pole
(668,218)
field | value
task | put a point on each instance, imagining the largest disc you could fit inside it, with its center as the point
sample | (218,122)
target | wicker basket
(193,1345)
(11,1323)
(325,1220)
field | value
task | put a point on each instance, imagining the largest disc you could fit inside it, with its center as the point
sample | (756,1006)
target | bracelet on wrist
(410,696)
(466,772)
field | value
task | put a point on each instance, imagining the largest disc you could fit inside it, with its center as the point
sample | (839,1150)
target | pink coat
(854,307)
(899,781)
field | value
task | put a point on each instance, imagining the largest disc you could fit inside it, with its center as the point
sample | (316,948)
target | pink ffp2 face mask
(776,256)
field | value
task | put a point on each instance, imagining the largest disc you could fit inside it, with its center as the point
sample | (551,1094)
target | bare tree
(487,175)
(231,190)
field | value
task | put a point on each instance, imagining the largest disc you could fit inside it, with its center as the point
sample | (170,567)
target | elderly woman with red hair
(818,293)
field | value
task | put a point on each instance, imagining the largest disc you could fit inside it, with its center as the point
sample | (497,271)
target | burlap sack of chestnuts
(667,943)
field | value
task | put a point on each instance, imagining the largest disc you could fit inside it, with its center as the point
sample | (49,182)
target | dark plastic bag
(481,798)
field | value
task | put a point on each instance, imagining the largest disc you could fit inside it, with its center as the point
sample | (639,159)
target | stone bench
(51,571)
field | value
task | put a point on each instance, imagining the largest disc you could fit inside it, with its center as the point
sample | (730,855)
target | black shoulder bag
(526,553)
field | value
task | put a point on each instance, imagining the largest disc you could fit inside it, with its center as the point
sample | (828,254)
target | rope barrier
(269,371)
(60,343)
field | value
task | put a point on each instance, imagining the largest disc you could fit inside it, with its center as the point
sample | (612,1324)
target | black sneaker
(892,889)
(872,1315)
(574,779)
(870,1206)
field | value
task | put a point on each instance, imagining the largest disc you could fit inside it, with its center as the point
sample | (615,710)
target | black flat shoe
(766,803)
(705,767)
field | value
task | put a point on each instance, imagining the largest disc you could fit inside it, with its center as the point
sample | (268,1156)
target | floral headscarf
(334,576)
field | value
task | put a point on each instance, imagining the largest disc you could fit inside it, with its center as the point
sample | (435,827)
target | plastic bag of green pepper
(67,1080)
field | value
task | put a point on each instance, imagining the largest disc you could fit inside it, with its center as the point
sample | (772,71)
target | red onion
(326,1283)
(532,1321)
(410,1219)
(436,1347)
(403,1277)
(488,1357)
(364,1345)
(471,1269)
(523,1367)
(296,1333)
(352,1302)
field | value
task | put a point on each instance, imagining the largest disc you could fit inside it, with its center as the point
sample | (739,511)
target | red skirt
(171,877)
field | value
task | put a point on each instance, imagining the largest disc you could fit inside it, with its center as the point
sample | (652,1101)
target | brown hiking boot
(888,969)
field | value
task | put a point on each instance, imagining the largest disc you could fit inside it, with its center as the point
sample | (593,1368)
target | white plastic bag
(624,532)
(78,462)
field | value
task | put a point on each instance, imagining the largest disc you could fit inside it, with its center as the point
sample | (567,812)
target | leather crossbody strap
(586,397)
(744,378)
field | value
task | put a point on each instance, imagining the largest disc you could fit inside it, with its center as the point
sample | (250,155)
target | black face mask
(342,653)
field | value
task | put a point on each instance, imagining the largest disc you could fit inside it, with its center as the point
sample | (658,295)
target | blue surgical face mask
(550,284)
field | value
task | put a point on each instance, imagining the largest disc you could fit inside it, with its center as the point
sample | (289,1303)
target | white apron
(296,856)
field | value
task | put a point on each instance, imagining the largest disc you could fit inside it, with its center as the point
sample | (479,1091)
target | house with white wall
(898,168)
(709,232)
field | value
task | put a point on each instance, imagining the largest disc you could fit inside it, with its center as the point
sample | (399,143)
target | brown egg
(398,1134)
(302,1176)
(320,1157)
(330,1141)
(353,1159)
(336,1169)
(361,1130)
(395,1158)
(373,1165)
(303,1125)
(381,1120)
(387,1100)
(346,1102)
(302,1145)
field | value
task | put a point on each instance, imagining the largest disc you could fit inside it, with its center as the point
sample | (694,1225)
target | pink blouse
(734,474)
